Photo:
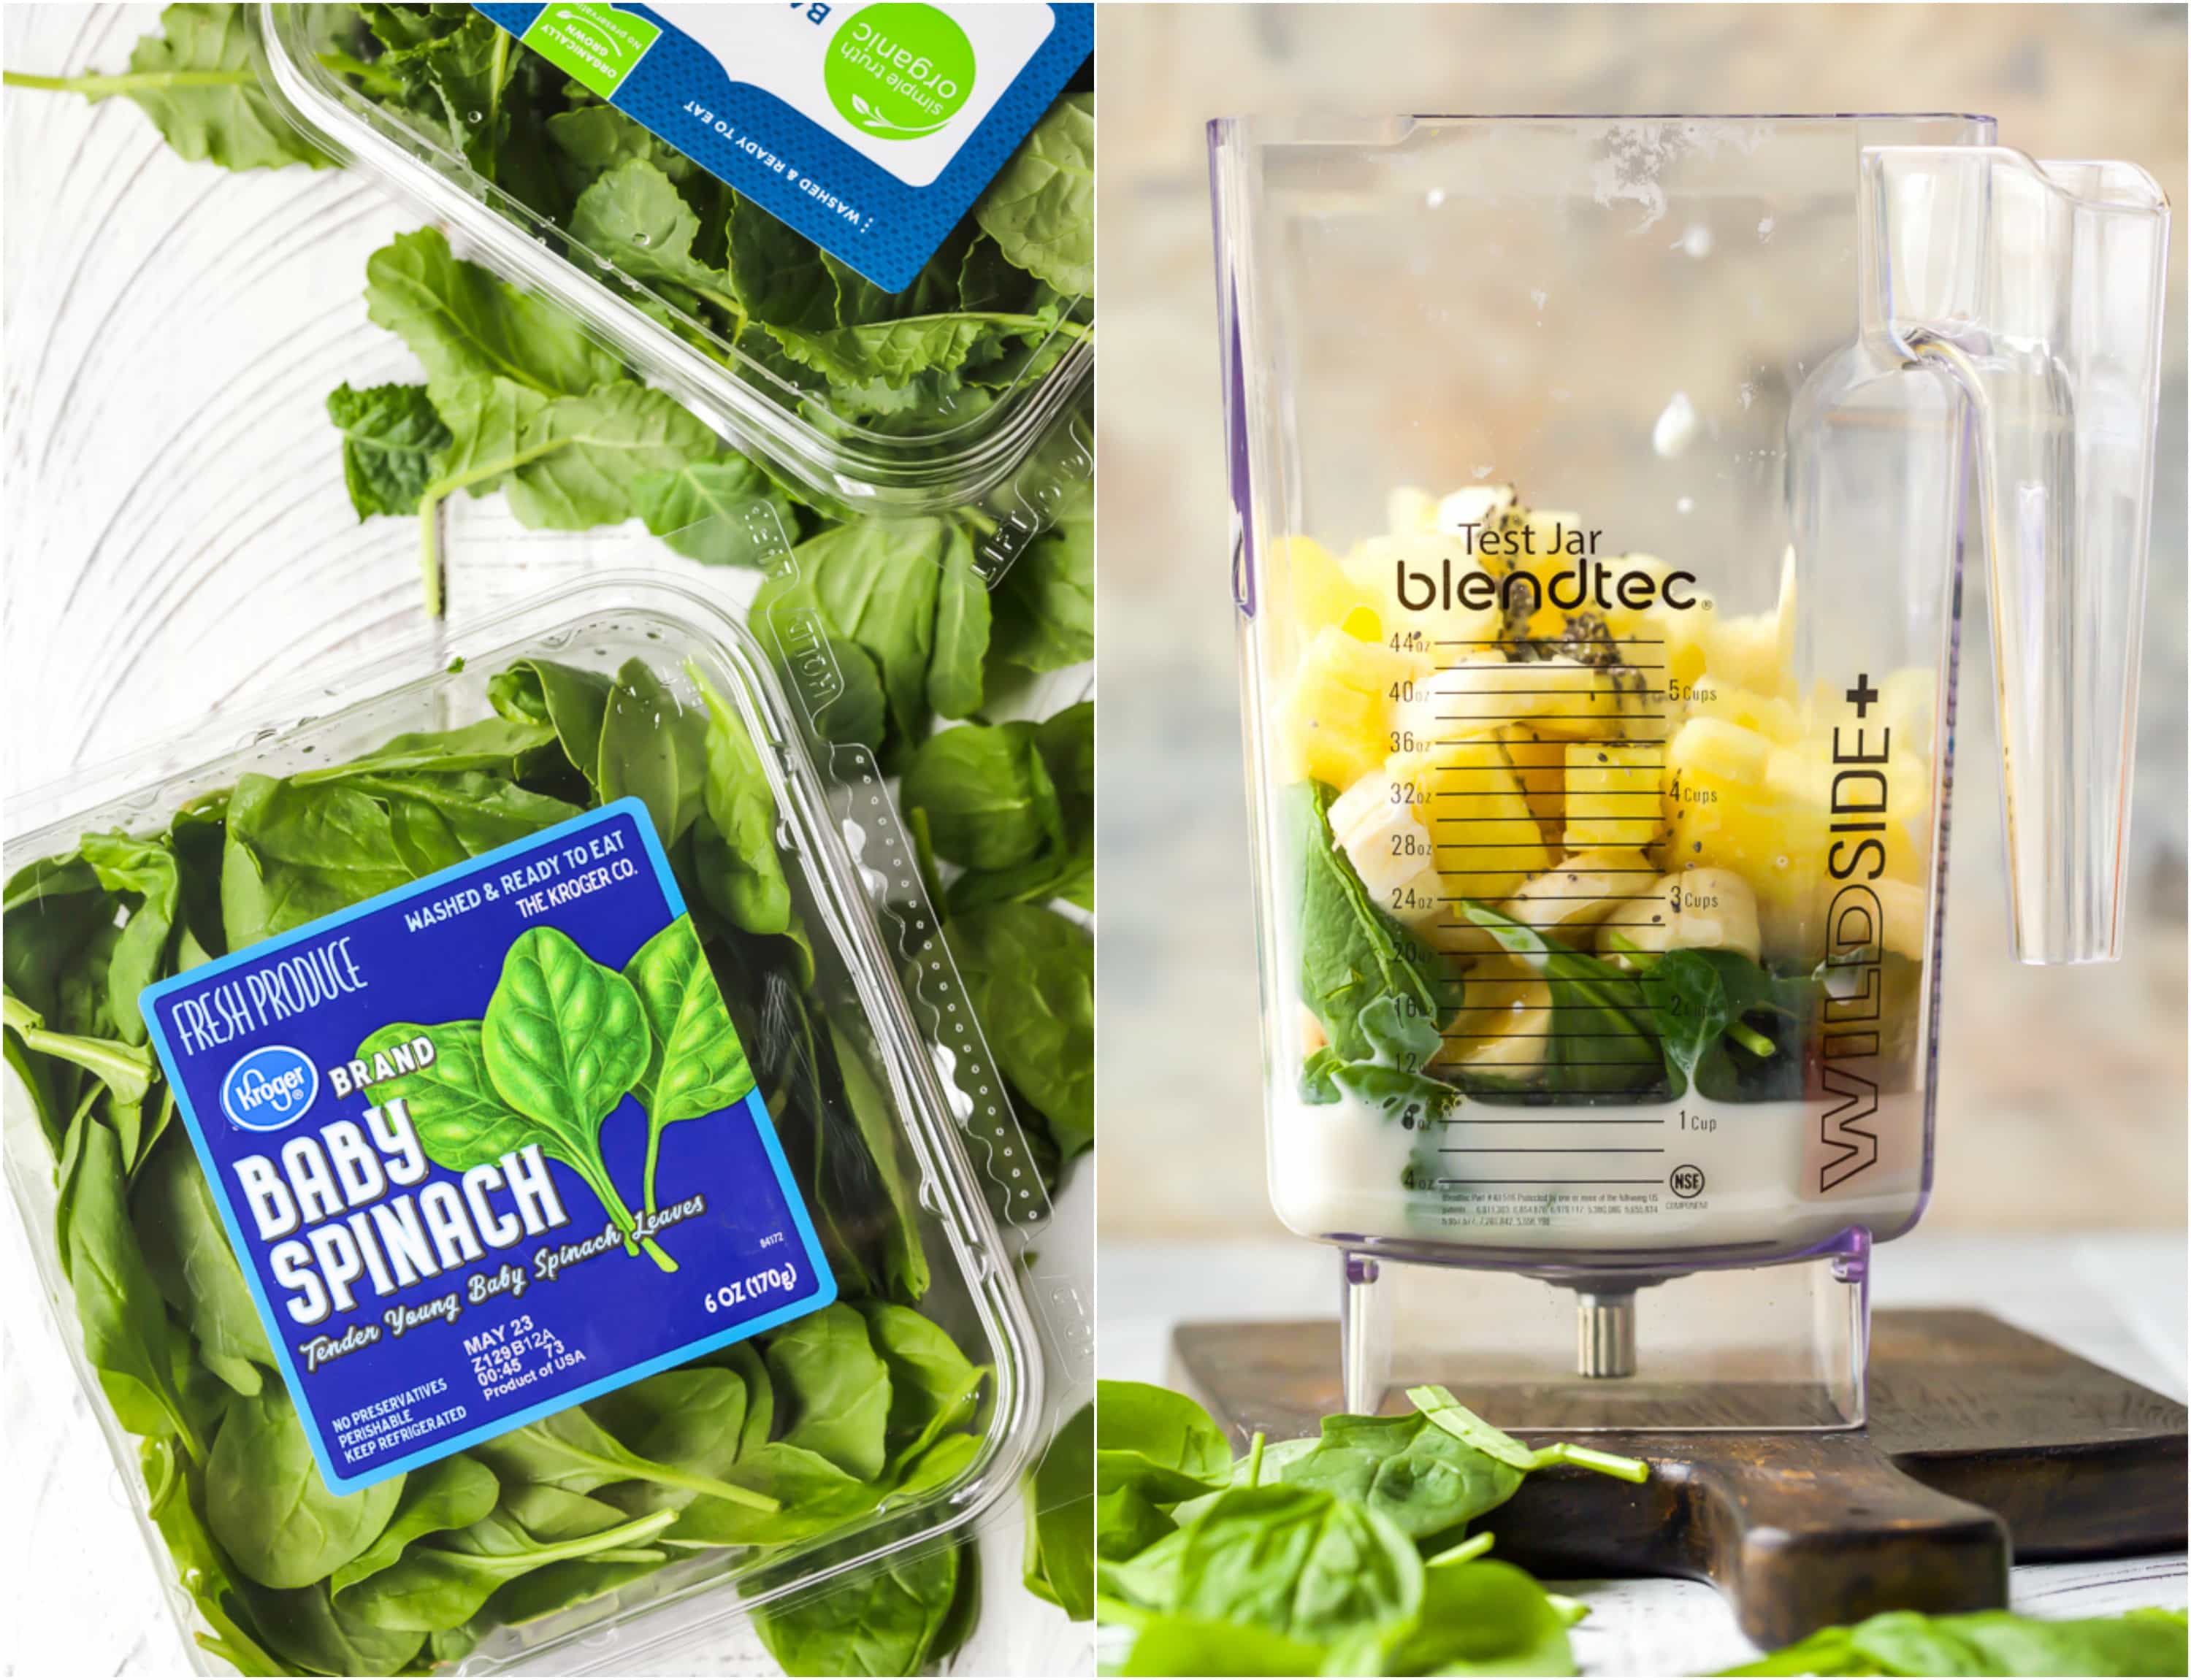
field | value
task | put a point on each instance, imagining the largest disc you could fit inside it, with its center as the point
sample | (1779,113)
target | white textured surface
(2117,1298)
(178,544)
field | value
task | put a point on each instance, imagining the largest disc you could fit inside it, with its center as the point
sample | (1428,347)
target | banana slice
(1391,853)
(1694,909)
(1584,890)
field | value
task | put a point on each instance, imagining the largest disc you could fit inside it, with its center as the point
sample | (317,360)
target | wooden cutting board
(1984,1444)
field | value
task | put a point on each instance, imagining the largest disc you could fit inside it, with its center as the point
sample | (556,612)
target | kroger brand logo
(270,1088)
(899,72)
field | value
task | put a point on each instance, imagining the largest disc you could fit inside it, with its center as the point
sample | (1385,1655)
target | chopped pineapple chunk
(1324,597)
(1488,839)
(1335,724)
(1612,795)
(1768,715)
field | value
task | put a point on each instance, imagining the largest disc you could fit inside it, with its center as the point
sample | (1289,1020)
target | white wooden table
(178,542)
(2116,1299)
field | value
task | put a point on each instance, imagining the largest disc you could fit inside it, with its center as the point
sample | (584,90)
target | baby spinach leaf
(1297,1562)
(439,821)
(692,1418)
(653,747)
(125,1070)
(694,1064)
(874,584)
(187,1249)
(988,793)
(896,1213)
(1059,1563)
(465,325)
(1041,208)
(1172,1645)
(835,1388)
(547,1512)
(505,747)
(295,851)
(451,1493)
(175,1506)
(886,1619)
(1128,1522)
(811,1493)
(1159,1442)
(570,1450)
(197,81)
(1351,955)
(1422,1479)
(267,1506)
(1030,975)
(302,1626)
(724,512)
(1399,1042)
(740,870)
(955,672)
(144,873)
(1477,1618)
(117,1303)
(933,1386)
(392,441)
(1714,1011)
(430,1589)
(571,700)
(1045,604)
(1987,1642)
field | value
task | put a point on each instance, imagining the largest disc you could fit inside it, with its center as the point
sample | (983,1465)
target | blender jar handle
(2035,289)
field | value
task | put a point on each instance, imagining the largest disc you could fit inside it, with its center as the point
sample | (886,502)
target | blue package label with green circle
(487,1146)
(870,129)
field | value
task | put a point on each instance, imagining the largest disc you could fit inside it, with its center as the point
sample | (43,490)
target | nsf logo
(270,1088)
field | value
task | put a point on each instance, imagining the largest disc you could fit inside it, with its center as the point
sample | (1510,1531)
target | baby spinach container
(742,320)
(913,1404)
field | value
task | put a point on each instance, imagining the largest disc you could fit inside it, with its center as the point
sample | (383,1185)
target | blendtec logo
(270,1088)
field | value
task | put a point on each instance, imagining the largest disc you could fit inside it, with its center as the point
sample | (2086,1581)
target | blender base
(1581,1348)
(1979,1436)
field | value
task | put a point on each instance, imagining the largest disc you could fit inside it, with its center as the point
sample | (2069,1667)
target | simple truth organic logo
(899,72)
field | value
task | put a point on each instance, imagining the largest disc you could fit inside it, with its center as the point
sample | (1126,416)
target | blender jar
(1601,488)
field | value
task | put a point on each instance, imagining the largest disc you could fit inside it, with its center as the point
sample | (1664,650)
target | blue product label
(443,1131)
(871,129)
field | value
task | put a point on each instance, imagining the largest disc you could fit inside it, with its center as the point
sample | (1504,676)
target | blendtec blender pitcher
(1602,489)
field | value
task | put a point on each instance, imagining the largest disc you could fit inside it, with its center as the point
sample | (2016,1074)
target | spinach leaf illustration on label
(695,1063)
(469,1209)
(564,1040)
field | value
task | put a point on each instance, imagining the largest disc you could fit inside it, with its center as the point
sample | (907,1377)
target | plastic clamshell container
(855,887)
(865,468)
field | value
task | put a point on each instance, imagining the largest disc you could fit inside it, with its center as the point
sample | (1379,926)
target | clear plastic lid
(666,266)
(883,1095)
